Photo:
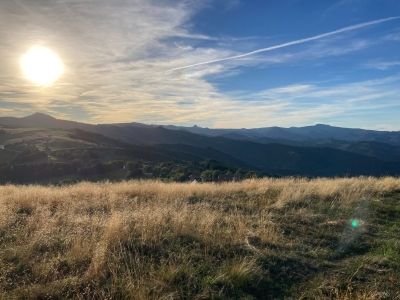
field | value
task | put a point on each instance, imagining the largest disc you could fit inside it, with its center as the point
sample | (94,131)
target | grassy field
(257,239)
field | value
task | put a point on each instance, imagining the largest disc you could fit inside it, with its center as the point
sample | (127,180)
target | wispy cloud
(382,65)
(335,103)
(394,36)
(117,56)
(343,4)
(292,43)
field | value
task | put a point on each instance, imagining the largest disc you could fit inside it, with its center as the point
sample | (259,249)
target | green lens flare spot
(355,223)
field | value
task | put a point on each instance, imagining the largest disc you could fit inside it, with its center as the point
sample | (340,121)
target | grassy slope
(254,239)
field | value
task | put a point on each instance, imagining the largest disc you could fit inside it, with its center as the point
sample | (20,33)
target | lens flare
(355,223)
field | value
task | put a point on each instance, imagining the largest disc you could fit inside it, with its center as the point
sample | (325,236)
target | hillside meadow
(257,239)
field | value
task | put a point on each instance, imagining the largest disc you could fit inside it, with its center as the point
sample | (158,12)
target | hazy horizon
(190,125)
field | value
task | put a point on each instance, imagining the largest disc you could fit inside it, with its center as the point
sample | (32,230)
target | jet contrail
(296,42)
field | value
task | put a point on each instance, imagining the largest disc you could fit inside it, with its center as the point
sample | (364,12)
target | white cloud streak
(383,65)
(292,43)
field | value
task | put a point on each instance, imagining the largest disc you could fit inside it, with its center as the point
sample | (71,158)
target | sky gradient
(214,63)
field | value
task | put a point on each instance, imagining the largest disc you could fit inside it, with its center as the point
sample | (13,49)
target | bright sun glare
(41,65)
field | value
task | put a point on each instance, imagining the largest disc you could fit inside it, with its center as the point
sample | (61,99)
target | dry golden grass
(154,240)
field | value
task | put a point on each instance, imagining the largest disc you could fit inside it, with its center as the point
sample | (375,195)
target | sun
(41,65)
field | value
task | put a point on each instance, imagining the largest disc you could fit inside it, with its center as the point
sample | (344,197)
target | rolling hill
(69,147)
(307,133)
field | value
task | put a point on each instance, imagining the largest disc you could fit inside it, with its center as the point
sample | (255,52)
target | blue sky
(180,62)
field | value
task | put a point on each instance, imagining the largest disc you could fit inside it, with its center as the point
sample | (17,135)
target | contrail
(296,42)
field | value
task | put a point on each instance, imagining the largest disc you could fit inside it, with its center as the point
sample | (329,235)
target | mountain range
(319,150)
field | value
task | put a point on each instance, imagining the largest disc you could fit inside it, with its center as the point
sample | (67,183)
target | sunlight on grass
(150,240)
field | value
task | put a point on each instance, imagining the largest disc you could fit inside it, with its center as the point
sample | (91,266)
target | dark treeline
(93,170)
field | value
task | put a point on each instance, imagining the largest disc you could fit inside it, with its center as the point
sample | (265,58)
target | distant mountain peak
(322,125)
(42,120)
(39,115)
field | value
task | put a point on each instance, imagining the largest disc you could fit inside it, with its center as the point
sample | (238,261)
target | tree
(206,176)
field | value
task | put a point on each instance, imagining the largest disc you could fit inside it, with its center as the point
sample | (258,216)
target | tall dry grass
(151,240)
